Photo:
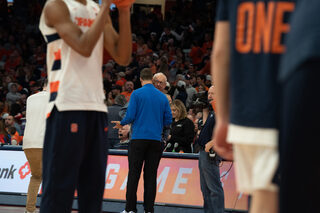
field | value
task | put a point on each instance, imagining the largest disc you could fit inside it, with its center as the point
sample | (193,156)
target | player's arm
(220,66)
(119,45)
(57,16)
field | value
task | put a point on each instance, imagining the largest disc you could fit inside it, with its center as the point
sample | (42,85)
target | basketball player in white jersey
(74,154)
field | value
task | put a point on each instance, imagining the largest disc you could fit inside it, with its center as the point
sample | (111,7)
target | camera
(212,153)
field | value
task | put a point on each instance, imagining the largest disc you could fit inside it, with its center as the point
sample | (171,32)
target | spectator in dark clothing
(182,93)
(182,129)
(13,95)
(113,115)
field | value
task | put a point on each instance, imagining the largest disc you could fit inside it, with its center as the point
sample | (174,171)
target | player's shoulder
(54,3)
(39,95)
(55,7)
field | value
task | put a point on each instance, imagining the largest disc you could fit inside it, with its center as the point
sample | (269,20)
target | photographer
(208,160)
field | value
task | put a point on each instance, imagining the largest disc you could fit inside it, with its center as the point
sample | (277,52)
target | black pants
(148,152)
(299,136)
(74,157)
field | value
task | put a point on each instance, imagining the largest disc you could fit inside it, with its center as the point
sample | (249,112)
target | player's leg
(62,154)
(265,192)
(34,157)
(299,159)
(91,180)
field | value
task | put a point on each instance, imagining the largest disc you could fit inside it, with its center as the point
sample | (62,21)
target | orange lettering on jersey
(260,26)
(263,27)
(245,21)
(84,22)
(57,55)
(90,21)
(279,26)
(79,21)
(54,86)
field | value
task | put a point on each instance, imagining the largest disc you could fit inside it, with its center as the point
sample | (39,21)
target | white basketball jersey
(75,81)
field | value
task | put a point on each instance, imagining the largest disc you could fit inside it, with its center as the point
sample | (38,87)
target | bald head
(211,93)
(159,81)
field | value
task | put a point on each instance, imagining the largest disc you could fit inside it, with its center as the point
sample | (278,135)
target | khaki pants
(34,156)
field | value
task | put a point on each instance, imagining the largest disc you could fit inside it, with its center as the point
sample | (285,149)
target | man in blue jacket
(148,112)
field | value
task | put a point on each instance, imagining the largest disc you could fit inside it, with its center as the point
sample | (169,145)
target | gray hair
(159,74)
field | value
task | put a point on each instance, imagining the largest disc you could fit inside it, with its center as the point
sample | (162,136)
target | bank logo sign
(15,172)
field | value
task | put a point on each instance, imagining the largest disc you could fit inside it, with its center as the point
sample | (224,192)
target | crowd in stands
(177,45)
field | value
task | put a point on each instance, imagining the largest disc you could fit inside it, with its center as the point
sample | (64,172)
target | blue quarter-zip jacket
(148,112)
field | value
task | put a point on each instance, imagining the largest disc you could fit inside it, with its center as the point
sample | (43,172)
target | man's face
(123,132)
(166,30)
(9,121)
(211,92)
(14,88)
(129,86)
(199,80)
(160,83)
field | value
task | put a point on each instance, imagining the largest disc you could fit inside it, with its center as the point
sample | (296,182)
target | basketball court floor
(15,209)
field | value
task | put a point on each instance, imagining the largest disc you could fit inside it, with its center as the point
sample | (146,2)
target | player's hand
(106,3)
(169,137)
(221,146)
(209,145)
(117,124)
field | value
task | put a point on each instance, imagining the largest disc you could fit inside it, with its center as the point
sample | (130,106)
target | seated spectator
(110,99)
(181,92)
(13,95)
(3,108)
(121,79)
(10,122)
(201,79)
(128,89)
(124,136)
(208,81)
(182,129)
(4,136)
(113,115)
(15,138)
(196,53)
(191,91)
(142,47)
(116,90)
(163,66)
(202,88)
(168,35)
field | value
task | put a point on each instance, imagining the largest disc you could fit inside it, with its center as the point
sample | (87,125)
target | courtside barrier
(178,181)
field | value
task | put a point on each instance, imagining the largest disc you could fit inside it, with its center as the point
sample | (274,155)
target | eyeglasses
(159,82)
